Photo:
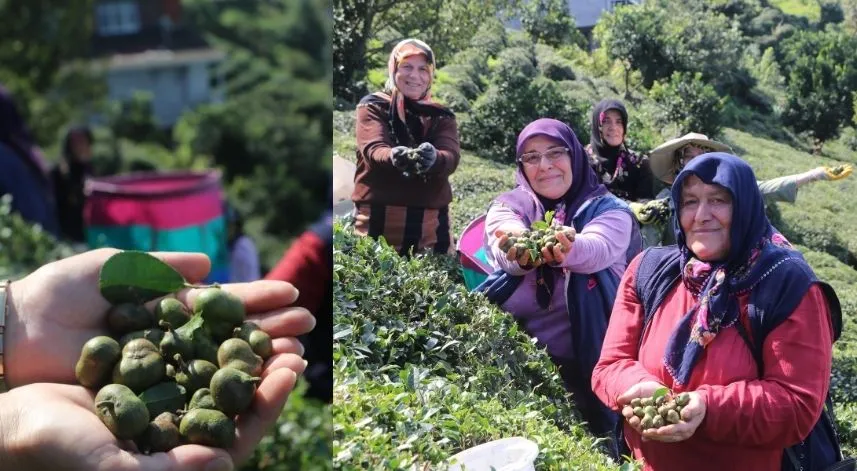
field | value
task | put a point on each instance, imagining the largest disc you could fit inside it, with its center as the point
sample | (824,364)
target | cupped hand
(57,308)
(557,254)
(522,257)
(641,390)
(839,172)
(54,426)
(691,417)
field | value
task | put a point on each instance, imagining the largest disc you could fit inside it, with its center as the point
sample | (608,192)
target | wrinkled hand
(523,258)
(428,156)
(691,416)
(837,173)
(399,157)
(57,308)
(641,390)
(559,252)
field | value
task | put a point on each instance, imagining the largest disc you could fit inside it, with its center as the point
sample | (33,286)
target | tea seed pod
(122,412)
(153,335)
(238,354)
(195,374)
(218,305)
(660,400)
(173,342)
(673,417)
(127,317)
(204,348)
(233,390)
(638,411)
(647,401)
(208,427)
(258,339)
(160,435)
(646,422)
(97,359)
(170,371)
(141,365)
(172,311)
(202,400)
(636,402)
(662,411)
(164,397)
(682,399)
(650,410)
(658,422)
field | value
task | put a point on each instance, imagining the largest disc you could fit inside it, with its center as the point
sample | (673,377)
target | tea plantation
(424,369)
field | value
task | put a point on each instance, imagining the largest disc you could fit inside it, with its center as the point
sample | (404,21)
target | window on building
(117,18)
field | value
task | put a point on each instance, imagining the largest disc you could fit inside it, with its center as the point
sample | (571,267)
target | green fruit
(164,397)
(233,390)
(172,311)
(683,399)
(673,417)
(170,371)
(127,317)
(97,359)
(636,402)
(160,435)
(238,354)
(646,422)
(122,412)
(638,411)
(650,410)
(202,400)
(647,401)
(660,401)
(258,339)
(217,305)
(195,374)
(658,422)
(153,335)
(141,365)
(662,411)
(204,348)
(208,427)
(175,343)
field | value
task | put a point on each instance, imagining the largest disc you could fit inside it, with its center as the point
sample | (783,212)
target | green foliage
(25,247)
(822,75)
(424,369)
(518,93)
(550,22)
(687,101)
(301,439)
(133,119)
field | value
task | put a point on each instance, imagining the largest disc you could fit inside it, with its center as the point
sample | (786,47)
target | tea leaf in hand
(137,277)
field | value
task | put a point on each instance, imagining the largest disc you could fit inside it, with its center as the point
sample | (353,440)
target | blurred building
(146,45)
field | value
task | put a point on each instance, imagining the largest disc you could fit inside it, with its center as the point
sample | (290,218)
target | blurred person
(23,172)
(407,147)
(243,256)
(68,177)
(308,265)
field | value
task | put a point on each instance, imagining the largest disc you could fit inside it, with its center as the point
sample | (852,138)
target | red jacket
(748,421)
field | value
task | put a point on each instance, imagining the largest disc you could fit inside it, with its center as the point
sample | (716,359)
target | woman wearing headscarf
(23,172)
(739,322)
(624,172)
(407,147)
(668,159)
(565,303)
(69,176)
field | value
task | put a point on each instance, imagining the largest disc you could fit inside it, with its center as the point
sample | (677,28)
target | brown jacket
(377,181)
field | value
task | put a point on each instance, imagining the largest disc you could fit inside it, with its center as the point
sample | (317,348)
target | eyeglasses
(535,158)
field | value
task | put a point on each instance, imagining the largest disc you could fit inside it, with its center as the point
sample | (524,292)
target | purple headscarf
(584,185)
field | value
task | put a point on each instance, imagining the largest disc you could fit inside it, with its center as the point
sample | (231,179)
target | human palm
(56,428)
(58,308)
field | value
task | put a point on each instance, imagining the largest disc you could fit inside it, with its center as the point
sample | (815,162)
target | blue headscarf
(757,252)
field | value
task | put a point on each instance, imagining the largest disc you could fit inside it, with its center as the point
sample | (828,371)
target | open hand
(839,172)
(557,255)
(691,416)
(513,254)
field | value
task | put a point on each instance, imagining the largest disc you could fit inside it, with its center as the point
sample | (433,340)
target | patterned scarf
(403,108)
(756,250)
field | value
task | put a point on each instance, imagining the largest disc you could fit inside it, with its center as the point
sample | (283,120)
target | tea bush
(424,369)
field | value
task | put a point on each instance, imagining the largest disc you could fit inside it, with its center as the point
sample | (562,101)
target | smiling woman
(564,302)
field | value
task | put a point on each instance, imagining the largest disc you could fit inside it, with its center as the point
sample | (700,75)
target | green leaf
(549,217)
(539,225)
(137,277)
(660,392)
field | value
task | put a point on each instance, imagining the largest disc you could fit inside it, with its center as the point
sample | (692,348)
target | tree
(550,22)
(689,103)
(41,42)
(634,36)
(822,76)
(272,135)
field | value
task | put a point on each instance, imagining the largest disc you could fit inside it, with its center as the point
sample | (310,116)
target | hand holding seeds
(664,416)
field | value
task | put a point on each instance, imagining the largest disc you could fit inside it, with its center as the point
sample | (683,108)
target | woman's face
(81,147)
(705,215)
(547,166)
(612,128)
(413,77)
(689,152)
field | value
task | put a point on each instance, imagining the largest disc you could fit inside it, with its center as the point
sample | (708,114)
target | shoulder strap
(657,273)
